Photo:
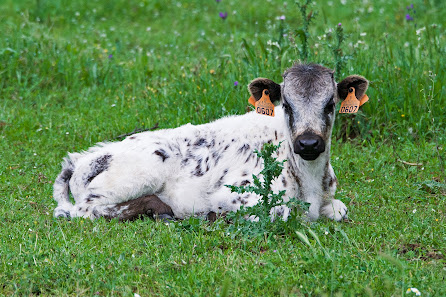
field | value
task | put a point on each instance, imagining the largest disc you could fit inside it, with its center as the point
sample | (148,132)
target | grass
(174,62)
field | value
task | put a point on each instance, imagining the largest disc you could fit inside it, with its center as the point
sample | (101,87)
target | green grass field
(73,73)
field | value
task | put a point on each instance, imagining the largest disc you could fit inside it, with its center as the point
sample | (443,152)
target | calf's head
(308,95)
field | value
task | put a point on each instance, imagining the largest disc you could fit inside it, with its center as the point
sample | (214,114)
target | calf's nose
(309,146)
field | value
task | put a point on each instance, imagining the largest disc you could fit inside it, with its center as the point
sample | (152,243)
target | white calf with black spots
(183,171)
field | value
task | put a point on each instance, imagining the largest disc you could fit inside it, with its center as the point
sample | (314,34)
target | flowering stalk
(337,50)
(304,33)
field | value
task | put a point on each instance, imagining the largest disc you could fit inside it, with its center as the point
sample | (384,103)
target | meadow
(73,73)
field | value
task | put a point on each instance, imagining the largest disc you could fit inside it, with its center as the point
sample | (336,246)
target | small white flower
(420,30)
(113,105)
(67,133)
(413,290)
(136,295)
(414,211)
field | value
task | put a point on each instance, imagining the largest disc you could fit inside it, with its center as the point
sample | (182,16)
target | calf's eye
(329,108)
(286,107)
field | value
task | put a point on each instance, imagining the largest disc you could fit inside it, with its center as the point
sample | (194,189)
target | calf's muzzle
(309,146)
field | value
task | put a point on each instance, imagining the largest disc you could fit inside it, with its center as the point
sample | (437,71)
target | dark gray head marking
(98,166)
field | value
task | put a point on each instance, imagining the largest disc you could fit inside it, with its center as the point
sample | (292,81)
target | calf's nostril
(308,143)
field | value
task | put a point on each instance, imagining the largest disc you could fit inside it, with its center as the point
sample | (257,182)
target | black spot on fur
(198,170)
(234,201)
(226,147)
(95,213)
(245,182)
(257,162)
(91,197)
(219,183)
(244,148)
(98,166)
(132,137)
(184,161)
(275,134)
(279,211)
(200,142)
(162,153)
(327,181)
(245,173)
(216,157)
(211,144)
(284,181)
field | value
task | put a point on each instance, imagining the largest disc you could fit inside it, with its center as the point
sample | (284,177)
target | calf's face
(308,95)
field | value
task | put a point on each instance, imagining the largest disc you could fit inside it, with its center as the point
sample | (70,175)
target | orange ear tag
(264,105)
(351,104)
(252,101)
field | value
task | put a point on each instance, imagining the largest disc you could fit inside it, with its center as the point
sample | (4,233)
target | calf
(183,171)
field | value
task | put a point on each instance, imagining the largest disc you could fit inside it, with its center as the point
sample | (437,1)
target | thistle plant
(339,57)
(261,212)
(303,32)
(272,169)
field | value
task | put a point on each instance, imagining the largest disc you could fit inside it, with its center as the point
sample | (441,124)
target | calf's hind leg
(149,205)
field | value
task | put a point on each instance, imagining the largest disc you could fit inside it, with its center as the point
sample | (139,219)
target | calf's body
(183,171)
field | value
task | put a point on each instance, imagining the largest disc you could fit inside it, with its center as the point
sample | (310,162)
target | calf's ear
(358,82)
(257,86)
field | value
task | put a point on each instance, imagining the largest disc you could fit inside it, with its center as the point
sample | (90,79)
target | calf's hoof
(60,212)
(335,210)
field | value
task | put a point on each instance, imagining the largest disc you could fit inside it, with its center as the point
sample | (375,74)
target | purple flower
(235,83)
(408,17)
(223,15)
(282,18)
(110,56)
(340,24)
(218,1)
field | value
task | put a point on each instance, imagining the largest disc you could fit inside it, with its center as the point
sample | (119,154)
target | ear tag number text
(264,105)
(351,104)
